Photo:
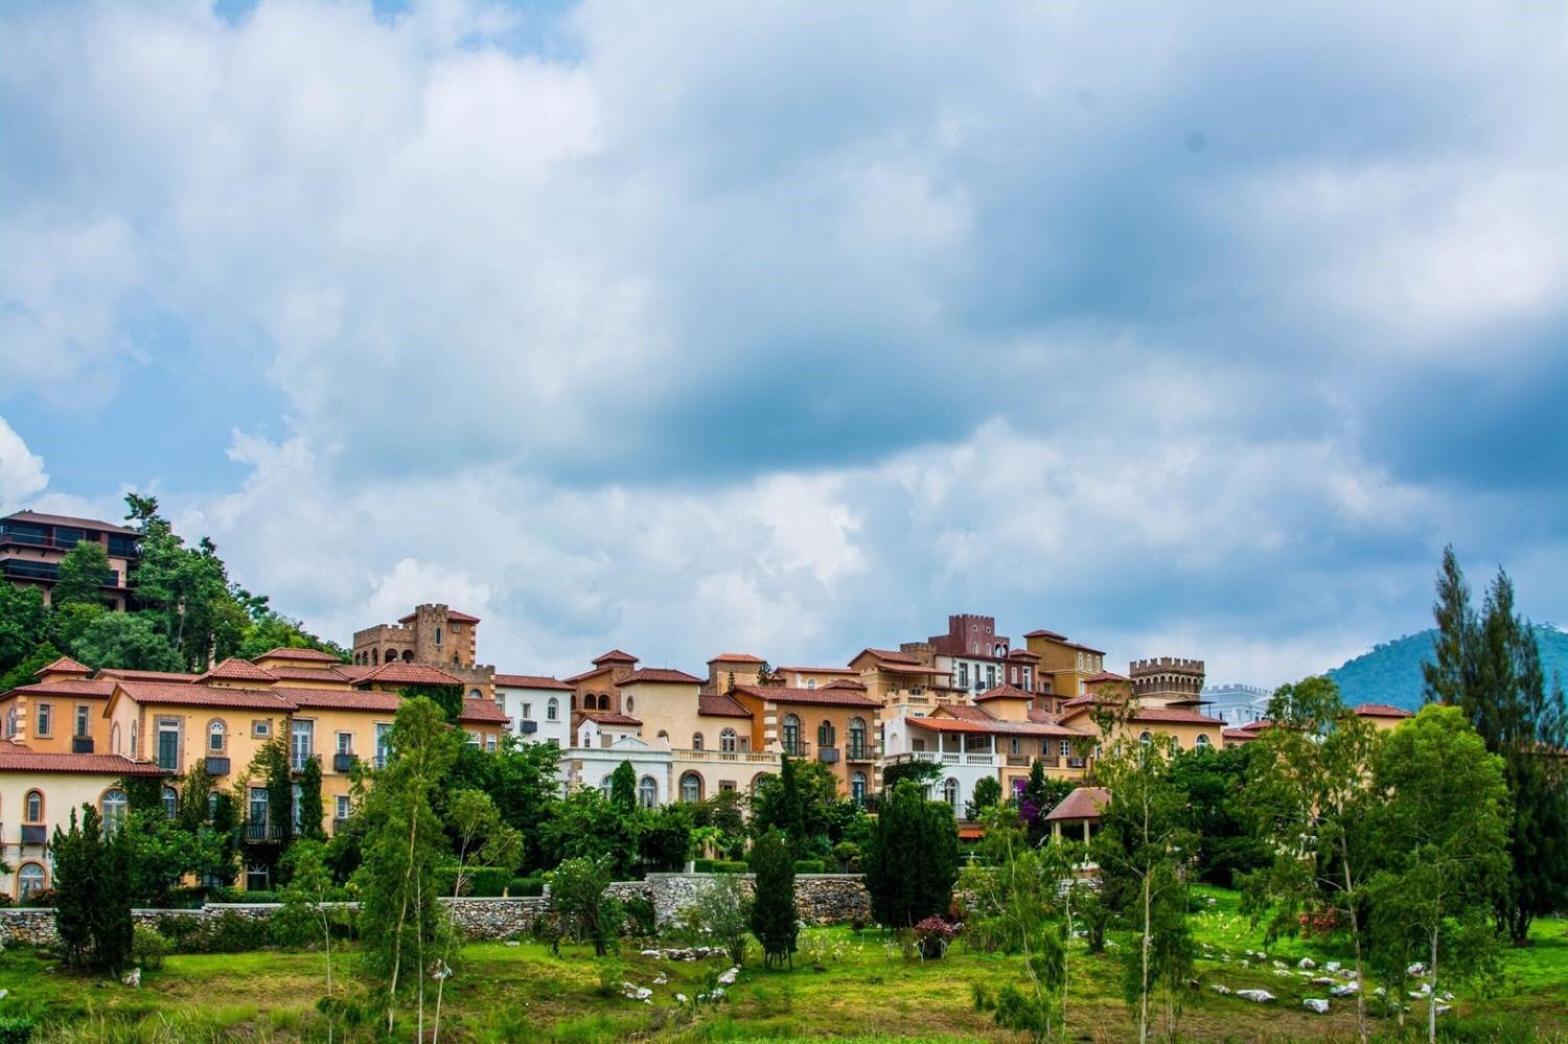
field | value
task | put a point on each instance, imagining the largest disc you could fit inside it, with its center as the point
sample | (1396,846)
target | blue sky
(793,328)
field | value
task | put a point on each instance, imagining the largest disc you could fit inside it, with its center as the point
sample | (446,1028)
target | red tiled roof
(614,656)
(1381,710)
(236,669)
(591,672)
(23,760)
(970,724)
(204,696)
(737,658)
(70,520)
(818,670)
(130,675)
(341,699)
(832,696)
(353,671)
(659,676)
(1082,803)
(720,707)
(64,665)
(1238,735)
(612,718)
(845,683)
(1043,717)
(1003,692)
(451,614)
(285,653)
(1022,654)
(900,662)
(1173,715)
(408,674)
(482,710)
(1043,633)
(1106,676)
(530,681)
(70,687)
(300,672)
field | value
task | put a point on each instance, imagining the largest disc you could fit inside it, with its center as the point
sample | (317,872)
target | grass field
(847,986)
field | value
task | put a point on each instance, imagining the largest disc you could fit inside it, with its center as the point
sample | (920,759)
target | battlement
(1171,678)
(1165,665)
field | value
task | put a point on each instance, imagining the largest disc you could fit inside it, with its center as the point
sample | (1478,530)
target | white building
(540,707)
(600,749)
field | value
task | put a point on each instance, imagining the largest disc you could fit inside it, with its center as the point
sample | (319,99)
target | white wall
(533,705)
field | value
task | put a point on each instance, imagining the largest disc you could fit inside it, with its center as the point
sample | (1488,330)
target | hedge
(522,886)
(477,880)
(810,866)
(720,866)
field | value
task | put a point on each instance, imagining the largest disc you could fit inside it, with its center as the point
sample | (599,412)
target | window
(112,806)
(606,786)
(1145,738)
(438,637)
(29,880)
(1202,742)
(475,694)
(257,877)
(302,743)
(383,744)
(169,745)
(647,792)
(345,743)
(10,722)
(212,804)
(552,709)
(261,729)
(528,711)
(1065,747)
(811,683)
(791,735)
(136,748)
(114,738)
(696,741)
(82,712)
(963,676)
(35,806)
(857,738)
(990,676)
(726,786)
(1013,746)
(490,744)
(727,741)
(691,787)
(344,809)
(826,734)
(857,788)
(215,733)
(45,719)
(258,813)
(950,793)
(629,705)
(171,802)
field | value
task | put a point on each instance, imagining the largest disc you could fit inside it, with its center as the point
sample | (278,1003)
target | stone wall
(819,899)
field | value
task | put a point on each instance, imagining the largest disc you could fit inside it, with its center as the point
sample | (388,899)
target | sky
(794,328)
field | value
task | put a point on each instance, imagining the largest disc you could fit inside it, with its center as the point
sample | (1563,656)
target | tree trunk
(1431,998)
(402,919)
(1143,982)
(1355,936)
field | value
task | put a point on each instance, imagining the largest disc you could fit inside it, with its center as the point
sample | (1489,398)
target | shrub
(810,866)
(148,948)
(640,917)
(229,932)
(932,937)
(847,853)
(722,913)
(43,897)
(720,866)
(16,1029)
(521,886)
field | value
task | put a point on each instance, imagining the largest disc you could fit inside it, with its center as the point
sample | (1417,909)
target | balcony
(528,727)
(216,765)
(344,762)
(35,834)
(1075,762)
(947,757)
(860,752)
(338,823)
(797,749)
(752,757)
(1019,761)
(827,755)
(81,744)
(261,831)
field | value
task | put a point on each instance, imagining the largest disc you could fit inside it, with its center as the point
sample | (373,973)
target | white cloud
(21,470)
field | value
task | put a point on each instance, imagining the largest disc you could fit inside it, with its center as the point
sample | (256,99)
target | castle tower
(1167,681)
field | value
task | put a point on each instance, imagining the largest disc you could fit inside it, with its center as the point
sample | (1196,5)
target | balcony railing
(859,752)
(262,831)
(528,727)
(344,761)
(1019,761)
(827,755)
(755,757)
(35,834)
(947,757)
(81,744)
(217,765)
(798,749)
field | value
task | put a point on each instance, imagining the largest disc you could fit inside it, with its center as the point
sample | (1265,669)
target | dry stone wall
(819,899)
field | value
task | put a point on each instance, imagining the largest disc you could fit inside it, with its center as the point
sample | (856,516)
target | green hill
(1391,673)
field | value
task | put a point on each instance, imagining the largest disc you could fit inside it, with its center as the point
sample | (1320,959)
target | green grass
(859,989)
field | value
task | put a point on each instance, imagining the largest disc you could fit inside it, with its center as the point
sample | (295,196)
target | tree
(912,859)
(623,787)
(1215,781)
(798,801)
(311,812)
(522,781)
(272,765)
(1306,791)
(307,915)
(987,793)
(723,910)
(1491,668)
(584,824)
(1142,847)
(922,773)
(26,670)
(1443,819)
(665,841)
(126,640)
(478,832)
(84,572)
(773,907)
(400,920)
(448,697)
(1041,794)
(579,891)
(76,853)
(24,626)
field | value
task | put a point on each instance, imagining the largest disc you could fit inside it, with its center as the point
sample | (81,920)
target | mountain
(1391,673)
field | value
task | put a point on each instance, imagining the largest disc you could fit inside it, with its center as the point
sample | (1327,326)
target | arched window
(10,722)
(1202,742)
(29,880)
(112,806)
(35,806)
(811,683)
(696,741)
(648,792)
(215,734)
(114,738)
(791,735)
(727,741)
(857,788)
(857,738)
(552,709)
(606,786)
(1145,738)
(171,802)
(826,734)
(408,656)
(950,793)
(691,787)
(604,701)
(665,736)
(629,705)
(475,694)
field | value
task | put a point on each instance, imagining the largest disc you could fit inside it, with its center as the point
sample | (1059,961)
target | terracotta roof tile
(720,707)
(530,681)
(1023,654)
(236,669)
(1173,715)
(611,718)
(22,760)
(482,711)
(102,687)
(1043,633)
(827,695)
(1082,803)
(407,674)
(204,696)
(131,675)
(659,676)
(1382,710)
(845,683)
(1106,676)
(304,655)
(819,670)
(614,656)
(451,614)
(341,699)
(737,658)
(300,672)
(1003,692)
(65,665)
(71,520)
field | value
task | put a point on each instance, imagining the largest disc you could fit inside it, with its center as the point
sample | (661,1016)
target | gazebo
(1079,809)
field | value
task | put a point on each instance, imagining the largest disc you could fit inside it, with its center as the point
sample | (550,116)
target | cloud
(21,470)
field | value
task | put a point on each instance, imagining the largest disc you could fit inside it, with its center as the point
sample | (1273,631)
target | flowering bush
(1322,921)
(932,936)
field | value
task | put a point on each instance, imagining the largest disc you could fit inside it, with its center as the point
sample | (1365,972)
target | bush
(932,936)
(640,918)
(148,948)
(810,866)
(44,897)
(481,881)
(520,886)
(16,1029)
(227,933)
(236,895)
(720,866)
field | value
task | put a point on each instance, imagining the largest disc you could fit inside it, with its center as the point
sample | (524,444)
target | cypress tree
(75,853)
(912,859)
(773,909)
(311,811)
(623,787)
